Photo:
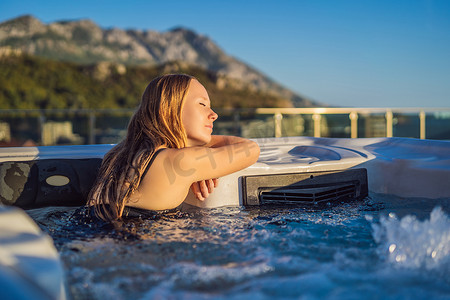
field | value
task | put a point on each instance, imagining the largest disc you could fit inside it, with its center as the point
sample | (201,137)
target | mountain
(32,82)
(82,41)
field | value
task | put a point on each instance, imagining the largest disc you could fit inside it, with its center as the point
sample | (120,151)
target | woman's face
(197,116)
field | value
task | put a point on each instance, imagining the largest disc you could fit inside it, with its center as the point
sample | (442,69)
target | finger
(203,188)
(216,182)
(193,188)
(210,185)
(196,191)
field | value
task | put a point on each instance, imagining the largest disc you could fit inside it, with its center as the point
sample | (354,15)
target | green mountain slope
(28,82)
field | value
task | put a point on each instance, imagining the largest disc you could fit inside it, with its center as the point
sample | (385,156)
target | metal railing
(94,124)
(353,114)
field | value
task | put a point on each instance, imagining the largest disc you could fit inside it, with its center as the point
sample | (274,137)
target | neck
(194,143)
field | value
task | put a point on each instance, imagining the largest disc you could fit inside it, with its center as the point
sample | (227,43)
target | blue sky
(365,53)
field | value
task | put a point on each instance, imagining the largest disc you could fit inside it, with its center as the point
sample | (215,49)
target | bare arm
(223,140)
(224,155)
(175,170)
(203,188)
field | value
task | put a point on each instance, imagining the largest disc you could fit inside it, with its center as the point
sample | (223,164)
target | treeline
(28,82)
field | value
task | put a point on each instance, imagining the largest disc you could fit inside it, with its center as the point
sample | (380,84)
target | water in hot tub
(382,248)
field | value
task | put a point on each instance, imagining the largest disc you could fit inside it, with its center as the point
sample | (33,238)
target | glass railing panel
(406,125)
(228,123)
(371,125)
(438,125)
(296,125)
(335,126)
(19,129)
(257,125)
(64,128)
(111,127)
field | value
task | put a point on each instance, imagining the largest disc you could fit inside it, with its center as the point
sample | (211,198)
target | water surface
(381,248)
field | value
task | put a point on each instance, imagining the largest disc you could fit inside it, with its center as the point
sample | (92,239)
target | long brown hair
(155,124)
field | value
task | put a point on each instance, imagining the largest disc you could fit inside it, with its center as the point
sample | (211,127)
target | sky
(356,53)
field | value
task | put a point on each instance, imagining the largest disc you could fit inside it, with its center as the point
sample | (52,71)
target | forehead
(196,90)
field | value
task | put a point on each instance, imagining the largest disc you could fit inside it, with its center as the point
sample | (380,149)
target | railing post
(389,123)
(316,118)
(91,127)
(278,117)
(353,124)
(422,117)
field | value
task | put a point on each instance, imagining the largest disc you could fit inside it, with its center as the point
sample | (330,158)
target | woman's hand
(202,189)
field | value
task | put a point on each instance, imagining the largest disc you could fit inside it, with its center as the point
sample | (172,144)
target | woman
(168,149)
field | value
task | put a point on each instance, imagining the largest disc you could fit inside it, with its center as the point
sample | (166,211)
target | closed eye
(202,104)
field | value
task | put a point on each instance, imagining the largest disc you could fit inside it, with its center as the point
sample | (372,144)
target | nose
(213,116)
